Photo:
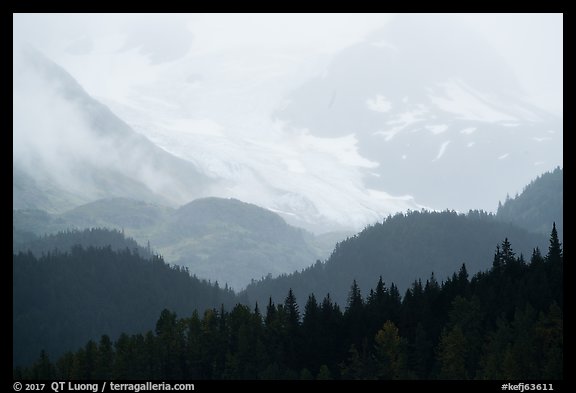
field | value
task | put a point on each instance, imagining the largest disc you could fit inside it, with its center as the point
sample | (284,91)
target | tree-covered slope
(64,241)
(234,241)
(224,240)
(126,213)
(401,249)
(505,323)
(539,205)
(61,300)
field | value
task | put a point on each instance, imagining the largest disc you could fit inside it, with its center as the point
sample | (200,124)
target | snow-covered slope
(70,149)
(420,114)
(221,122)
(437,109)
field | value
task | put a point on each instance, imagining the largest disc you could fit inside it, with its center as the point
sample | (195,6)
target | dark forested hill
(64,241)
(539,205)
(505,323)
(61,300)
(401,249)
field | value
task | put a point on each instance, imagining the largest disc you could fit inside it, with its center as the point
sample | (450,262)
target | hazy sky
(532,44)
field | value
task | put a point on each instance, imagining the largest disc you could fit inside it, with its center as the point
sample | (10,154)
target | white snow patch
(463,101)
(345,149)
(281,212)
(402,121)
(538,163)
(551,132)
(379,104)
(437,129)
(468,130)
(404,156)
(470,144)
(442,150)
(389,134)
(503,156)
(409,117)
(541,139)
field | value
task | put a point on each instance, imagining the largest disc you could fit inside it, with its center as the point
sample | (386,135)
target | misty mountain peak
(70,149)
(436,107)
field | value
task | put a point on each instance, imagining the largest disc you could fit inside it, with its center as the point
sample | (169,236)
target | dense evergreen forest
(401,249)
(502,323)
(64,241)
(66,296)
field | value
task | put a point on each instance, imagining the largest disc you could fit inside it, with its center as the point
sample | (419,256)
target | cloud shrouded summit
(437,108)
(422,112)
(70,149)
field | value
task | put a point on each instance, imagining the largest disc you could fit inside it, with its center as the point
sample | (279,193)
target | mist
(287,197)
(67,143)
(281,110)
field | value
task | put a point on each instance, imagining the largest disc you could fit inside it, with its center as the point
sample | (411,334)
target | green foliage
(452,354)
(390,353)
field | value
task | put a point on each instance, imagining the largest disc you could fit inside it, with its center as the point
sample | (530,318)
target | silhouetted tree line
(63,241)
(402,248)
(504,323)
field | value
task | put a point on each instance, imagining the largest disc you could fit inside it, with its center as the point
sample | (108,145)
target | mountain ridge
(73,149)
(224,240)
(401,249)
(443,125)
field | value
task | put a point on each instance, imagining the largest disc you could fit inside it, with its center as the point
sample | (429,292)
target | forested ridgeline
(402,248)
(64,241)
(504,323)
(541,202)
(62,299)
(218,239)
